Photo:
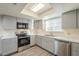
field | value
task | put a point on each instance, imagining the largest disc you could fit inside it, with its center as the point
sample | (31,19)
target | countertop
(64,38)
(8,37)
(70,39)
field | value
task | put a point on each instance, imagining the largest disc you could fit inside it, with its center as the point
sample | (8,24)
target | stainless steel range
(23,39)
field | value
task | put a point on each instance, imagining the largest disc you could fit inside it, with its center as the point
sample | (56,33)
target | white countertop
(74,39)
(7,37)
(70,39)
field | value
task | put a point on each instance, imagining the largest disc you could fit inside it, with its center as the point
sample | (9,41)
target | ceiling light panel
(37,7)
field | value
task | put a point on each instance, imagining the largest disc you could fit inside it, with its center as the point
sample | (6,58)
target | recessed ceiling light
(37,7)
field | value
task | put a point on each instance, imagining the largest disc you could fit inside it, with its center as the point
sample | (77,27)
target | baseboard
(20,51)
(10,54)
(30,47)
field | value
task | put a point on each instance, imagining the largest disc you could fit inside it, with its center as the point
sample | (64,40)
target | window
(54,24)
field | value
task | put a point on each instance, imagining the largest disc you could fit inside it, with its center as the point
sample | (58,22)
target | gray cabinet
(32,40)
(45,42)
(38,24)
(39,40)
(9,45)
(25,20)
(69,20)
(19,19)
(0,48)
(75,49)
(78,18)
(50,45)
(1,22)
(9,22)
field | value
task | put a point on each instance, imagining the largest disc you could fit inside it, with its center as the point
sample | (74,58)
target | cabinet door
(19,20)
(32,40)
(78,18)
(25,20)
(1,22)
(28,22)
(44,43)
(38,40)
(75,49)
(35,24)
(0,48)
(50,45)
(69,20)
(9,22)
(9,46)
(38,24)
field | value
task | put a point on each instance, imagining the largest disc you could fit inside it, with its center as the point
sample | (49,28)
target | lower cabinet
(38,40)
(0,48)
(50,45)
(75,49)
(46,43)
(9,46)
(32,40)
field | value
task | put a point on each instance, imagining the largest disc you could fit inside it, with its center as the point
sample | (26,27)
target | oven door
(23,41)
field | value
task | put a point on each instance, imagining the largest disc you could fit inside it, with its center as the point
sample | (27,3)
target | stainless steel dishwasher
(62,48)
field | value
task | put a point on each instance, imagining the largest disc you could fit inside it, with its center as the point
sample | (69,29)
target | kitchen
(49,29)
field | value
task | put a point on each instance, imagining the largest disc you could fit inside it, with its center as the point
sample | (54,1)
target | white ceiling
(15,10)
(27,10)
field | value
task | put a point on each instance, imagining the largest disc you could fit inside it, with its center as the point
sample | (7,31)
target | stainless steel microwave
(21,25)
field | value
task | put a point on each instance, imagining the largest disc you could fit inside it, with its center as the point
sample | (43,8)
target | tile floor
(33,51)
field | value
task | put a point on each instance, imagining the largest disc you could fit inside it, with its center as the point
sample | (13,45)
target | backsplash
(65,33)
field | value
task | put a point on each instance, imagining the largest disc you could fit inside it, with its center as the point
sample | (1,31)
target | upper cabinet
(19,19)
(0,21)
(77,18)
(26,21)
(9,22)
(38,24)
(69,20)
